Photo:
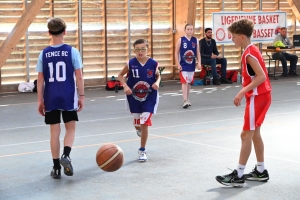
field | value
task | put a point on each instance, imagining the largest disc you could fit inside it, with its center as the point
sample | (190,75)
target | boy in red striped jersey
(257,91)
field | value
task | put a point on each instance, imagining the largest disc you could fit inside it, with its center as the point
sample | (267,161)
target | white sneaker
(139,132)
(142,156)
(189,103)
(185,104)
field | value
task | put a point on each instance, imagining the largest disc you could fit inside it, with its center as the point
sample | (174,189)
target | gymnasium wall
(108,30)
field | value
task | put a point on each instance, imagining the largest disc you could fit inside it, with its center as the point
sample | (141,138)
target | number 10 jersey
(59,74)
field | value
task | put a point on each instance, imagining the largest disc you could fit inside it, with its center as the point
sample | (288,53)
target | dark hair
(283,28)
(56,26)
(141,41)
(187,26)
(207,29)
(243,26)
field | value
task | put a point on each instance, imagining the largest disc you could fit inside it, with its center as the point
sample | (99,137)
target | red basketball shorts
(256,110)
(186,77)
(142,118)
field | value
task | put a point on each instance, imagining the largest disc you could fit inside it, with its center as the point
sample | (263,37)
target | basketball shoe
(65,161)
(55,173)
(142,156)
(231,179)
(185,104)
(255,175)
(189,103)
(139,132)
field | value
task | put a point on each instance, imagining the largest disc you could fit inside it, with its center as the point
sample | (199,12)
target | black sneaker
(65,161)
(231,179)
(55,173)
(225,80)
(284,75)
(293,74)
(257,176)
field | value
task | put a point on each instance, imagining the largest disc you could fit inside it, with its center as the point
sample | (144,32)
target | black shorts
(53,117)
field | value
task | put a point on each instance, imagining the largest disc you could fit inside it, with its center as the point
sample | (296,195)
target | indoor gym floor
(186,149)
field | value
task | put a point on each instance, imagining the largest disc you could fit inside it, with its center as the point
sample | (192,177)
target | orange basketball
(110,157)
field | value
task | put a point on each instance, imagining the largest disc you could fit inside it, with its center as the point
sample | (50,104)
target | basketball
(110,157)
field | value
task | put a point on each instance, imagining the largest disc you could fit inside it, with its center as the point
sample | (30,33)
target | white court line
(182,111)
(226,88)
(162,127)
(170,93)
(110,96)
(223,148)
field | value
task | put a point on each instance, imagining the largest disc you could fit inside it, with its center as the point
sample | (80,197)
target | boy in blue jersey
(141,91)
(57,67)
(186,51)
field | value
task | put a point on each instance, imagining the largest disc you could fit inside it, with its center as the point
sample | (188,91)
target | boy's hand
(199,66)
(127,90)
(41,109)
(80,103)
(179,68)
(238,98)
(155,86)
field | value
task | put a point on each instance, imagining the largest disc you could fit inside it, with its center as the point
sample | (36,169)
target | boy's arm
(198,55)
(177,49)
(155,86)
(80,86)
(40,93)
(259,78)
(124,71)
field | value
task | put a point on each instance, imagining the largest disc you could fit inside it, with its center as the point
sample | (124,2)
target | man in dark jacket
(210,56)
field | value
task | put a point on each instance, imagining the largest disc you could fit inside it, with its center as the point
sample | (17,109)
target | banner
(266,25)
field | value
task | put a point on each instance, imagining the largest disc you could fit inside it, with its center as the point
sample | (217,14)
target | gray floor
(187,148)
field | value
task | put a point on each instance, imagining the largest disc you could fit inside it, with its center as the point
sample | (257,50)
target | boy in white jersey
(186,52)
(57,93)
(257,91)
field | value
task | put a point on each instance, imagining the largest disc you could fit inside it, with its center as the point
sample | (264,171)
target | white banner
(266,25)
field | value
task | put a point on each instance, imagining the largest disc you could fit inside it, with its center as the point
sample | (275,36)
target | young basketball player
(186,50)
(141,90)
(257,91)
(57,67)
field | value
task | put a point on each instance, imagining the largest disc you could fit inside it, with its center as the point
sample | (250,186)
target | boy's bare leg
(70,133)
(144,135)
(54,140)
(188,90)
(68,143)
(258,145)
(184,87)
(246,137)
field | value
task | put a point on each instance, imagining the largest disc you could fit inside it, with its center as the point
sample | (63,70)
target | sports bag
(26,87)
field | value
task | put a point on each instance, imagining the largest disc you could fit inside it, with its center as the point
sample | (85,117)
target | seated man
(283,56)
(210,56)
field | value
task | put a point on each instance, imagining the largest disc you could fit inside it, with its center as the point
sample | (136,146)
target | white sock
(240,170)
(260,166)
